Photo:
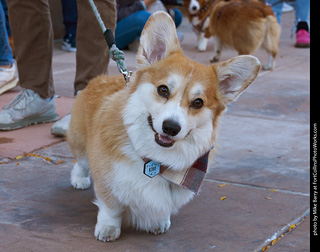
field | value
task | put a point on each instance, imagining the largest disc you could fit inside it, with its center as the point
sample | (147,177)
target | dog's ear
(235,75)
(158,39)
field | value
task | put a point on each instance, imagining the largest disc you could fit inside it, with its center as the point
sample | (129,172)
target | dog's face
(174,106)
(193,6)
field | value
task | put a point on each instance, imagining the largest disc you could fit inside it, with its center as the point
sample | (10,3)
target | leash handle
(108,35)
(115,53)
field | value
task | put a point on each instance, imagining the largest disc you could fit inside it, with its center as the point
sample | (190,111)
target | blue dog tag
(151,169)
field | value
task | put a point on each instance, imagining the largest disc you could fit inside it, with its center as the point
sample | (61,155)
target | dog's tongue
(165,139)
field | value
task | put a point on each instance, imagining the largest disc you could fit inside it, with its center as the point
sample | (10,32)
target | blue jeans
(6,57)
(130,28)
(302,9)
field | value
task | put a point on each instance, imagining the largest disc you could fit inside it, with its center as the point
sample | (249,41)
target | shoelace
(20,100)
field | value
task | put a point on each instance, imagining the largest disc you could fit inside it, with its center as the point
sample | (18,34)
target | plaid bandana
(190,178)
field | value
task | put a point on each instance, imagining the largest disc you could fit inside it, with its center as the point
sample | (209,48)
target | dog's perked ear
(235,75)
(158,39)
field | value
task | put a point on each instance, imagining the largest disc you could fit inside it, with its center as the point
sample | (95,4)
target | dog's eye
(163,90)
(197,103)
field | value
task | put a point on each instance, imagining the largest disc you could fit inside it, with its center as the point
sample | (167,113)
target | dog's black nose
(194,8)
(171,128)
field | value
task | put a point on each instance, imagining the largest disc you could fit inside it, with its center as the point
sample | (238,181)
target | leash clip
(127,75)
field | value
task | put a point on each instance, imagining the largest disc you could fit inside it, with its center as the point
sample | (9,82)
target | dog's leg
(163,226)
(270,65)
(197,33)
(203,41)
(80,174)
(108,227)
(217,50)
(271,41)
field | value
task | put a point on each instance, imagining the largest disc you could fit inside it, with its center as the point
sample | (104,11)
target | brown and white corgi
(198,12)
(168,116)
(244,25)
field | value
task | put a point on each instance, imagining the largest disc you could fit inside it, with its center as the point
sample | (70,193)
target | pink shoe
(302,38)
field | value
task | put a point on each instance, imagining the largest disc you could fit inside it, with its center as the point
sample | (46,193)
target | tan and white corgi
(198,12)
(244,25)
(168,116)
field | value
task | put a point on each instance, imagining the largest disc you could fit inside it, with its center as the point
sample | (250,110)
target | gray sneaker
(27,108)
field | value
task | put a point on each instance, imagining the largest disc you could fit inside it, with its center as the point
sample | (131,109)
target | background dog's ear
(158,39)
(235,75)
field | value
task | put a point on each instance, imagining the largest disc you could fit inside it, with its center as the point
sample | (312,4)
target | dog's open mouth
(163,141)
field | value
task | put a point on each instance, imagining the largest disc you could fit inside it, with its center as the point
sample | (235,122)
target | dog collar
(199,27)
(190,178)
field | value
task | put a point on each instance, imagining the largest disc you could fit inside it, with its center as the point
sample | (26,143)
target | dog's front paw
(106,233)
(214,60)
(80,182)
(162,228)
(267,67)
(202,47)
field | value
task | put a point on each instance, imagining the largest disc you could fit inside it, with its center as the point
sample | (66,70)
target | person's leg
(33,39)
(8,72)
(70,16)
(177,16)
(5,9)
(130,28)
(302,8)
(33,43)
(6,57)
(277,8)
(70,19)
(92,52)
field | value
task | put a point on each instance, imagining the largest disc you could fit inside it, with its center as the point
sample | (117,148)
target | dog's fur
(113,127)
(244,25)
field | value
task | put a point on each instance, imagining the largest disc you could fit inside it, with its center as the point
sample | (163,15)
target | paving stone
(44,211)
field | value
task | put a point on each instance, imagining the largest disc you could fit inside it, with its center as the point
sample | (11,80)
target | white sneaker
(8,78)
(287,8)
(27,108)
(60,127)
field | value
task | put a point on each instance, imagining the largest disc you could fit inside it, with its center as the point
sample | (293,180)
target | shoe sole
(68,48)
(32,120)
(302,45)
(10,85)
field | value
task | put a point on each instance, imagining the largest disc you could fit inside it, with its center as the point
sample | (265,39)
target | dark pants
(70,16)
(33,42)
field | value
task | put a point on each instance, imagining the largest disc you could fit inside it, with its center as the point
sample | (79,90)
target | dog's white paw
(202,47)
(267,67)
(80,175)
(162,228)
(270,65)
(106,233)
(80,182)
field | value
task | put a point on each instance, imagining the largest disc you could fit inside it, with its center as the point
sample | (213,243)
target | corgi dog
(198,12)
(244,25)
(168,114)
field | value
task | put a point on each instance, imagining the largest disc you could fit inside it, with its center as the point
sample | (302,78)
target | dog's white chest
(136,190)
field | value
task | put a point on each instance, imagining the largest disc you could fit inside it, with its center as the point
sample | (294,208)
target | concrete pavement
(262,164)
